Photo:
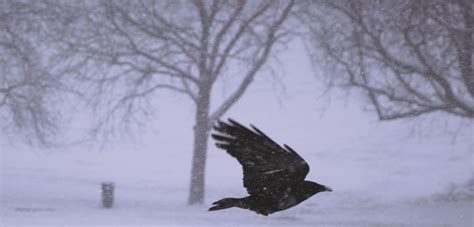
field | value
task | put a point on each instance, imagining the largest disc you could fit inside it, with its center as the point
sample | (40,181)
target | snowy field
(373,188)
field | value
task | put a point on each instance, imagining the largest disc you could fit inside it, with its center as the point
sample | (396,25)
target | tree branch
(270,40)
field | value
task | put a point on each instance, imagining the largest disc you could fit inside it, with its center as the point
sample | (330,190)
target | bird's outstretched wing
(269,169)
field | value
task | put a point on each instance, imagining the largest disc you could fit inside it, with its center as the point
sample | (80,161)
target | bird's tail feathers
(224,204)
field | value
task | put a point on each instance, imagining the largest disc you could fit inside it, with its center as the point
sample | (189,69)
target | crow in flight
(273,175)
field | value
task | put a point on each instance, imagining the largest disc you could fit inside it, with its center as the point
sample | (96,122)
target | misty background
(81,104)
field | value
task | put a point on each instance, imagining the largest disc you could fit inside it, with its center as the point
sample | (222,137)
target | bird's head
(313,187)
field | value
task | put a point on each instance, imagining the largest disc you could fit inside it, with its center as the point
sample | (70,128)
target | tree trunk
(201,134)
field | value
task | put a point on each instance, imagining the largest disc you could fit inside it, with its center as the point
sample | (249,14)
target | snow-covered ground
(373,188)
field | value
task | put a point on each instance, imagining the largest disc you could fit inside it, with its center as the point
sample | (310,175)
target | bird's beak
(328,189)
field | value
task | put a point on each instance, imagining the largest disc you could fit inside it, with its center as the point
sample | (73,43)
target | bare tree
(28,89)
(408,57)
(132,49)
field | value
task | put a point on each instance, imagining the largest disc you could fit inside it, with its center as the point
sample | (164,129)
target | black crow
(273,175)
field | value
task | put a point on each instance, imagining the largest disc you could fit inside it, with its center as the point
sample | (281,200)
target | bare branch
(412,55)
(269,42)
(243,26)
(28,84)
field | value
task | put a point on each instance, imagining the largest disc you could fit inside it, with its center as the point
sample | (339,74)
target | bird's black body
(274,176)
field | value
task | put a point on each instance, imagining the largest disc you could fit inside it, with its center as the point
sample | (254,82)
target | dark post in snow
(107,194)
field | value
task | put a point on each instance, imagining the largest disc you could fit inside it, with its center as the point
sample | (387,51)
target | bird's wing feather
(268,168)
